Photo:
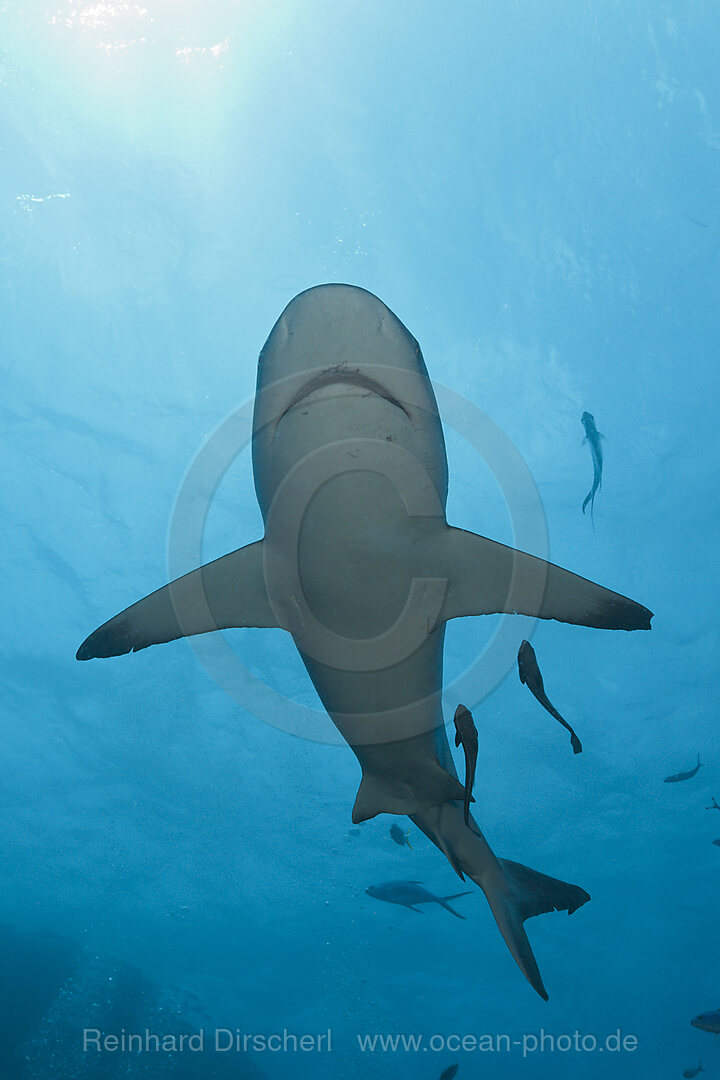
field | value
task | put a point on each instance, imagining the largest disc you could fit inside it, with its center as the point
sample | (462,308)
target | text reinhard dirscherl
(219,1040)
(227,1040)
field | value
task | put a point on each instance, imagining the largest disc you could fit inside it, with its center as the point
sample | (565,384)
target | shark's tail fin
(514,892)
(529,893)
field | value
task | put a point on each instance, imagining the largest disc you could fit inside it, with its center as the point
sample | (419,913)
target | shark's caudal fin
(486,578)
(225,593)
(514,892)
(427,787)
(529,893)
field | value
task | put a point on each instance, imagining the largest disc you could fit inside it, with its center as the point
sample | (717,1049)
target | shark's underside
(359,564)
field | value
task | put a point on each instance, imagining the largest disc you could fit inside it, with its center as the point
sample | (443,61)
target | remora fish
(466,736)
(676,777)
(593,437)
(400,836)
(410,893)
(709,1021)
(530,675)
(346,427)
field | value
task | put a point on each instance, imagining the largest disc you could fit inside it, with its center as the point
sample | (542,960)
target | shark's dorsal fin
(486,578)
(225,593)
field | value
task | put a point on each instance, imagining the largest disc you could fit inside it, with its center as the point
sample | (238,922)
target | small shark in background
(400,836)
(449,1073)
(676,777)
(410,893)
(714,805)
(690,1073)
(709,1021)
(716,843)
(593,437)
(466,736)
(530,675)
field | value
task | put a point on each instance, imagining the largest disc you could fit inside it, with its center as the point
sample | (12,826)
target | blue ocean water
(533,189)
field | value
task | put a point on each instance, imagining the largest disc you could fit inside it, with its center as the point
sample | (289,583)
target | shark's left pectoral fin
(226,593)
(486,578)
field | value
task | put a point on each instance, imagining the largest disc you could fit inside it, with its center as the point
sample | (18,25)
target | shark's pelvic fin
(429,786)
(225,593)
(486,578)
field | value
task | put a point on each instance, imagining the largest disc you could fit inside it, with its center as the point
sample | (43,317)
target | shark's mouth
(342,376)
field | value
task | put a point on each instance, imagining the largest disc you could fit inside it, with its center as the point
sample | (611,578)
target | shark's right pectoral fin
(226,593)
(486,578)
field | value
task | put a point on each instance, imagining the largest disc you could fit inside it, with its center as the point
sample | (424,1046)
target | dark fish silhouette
(399,836)
(449,1073)
(410,893)
(466,736)
(716,843)
(683,775)
(530,675)
(714,805)
(689,1074)
(593,437)
(709,1021)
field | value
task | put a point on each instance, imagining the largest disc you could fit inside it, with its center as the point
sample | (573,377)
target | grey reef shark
(360,566)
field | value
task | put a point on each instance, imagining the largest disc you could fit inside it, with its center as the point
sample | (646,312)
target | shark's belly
(355,554)
(350,491)
(348,494)
(390,715)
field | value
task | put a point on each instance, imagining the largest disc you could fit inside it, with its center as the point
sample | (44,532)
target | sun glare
(115,27)
(185,31)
